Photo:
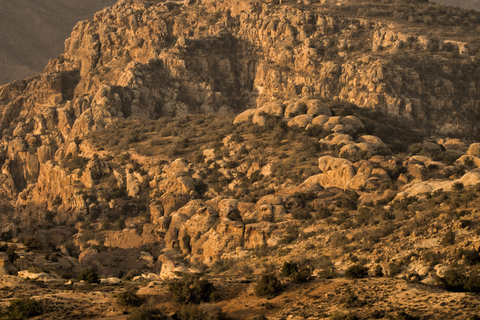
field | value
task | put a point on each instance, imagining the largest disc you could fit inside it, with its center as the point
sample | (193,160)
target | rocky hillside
(243,141)
(33,32)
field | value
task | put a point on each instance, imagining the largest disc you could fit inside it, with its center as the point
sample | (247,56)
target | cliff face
(146,59)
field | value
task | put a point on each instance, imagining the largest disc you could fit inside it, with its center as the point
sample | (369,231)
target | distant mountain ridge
(33,32)
(466,4)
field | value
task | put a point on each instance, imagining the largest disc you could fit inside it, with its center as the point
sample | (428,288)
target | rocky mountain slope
(243,139)
(33,32)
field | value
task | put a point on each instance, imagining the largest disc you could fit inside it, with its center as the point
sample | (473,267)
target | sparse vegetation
(268,286)
(89,276)
(192,289)
(23,308)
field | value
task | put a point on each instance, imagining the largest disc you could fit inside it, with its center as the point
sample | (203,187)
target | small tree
(192,289)
(11,254)
(356,271)
(89,276)
(268,286)
(20,309)
(129,298)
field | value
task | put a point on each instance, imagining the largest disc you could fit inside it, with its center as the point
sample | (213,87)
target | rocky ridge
(103,161)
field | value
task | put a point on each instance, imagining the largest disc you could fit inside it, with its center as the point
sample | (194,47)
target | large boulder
(301,121)
(244,116)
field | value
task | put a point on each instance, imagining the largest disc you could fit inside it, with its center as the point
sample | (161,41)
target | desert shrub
(328,273)
(268,286)
(351,300)
(432,258)
(146,313)
(31,243)
(291,270)
(349,202)
(322,212)
(288,268)
(89,276)
(404,316)
(378,271)
(394,269)
(195,312)
(186,242)
(11,254)
(356,271)
(470,257)
(192,289)
(301,214)
(129,298)
(222,265)
(457,186)
(23,308)
(460,279)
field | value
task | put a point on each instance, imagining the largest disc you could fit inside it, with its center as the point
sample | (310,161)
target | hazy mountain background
(32,32)
(467,4)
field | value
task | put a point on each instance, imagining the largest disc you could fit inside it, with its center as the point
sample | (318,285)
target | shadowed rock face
(33,32)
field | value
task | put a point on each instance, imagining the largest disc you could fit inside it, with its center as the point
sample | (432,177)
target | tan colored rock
(297,108)
(348,151)
(244,116)
(275,109)
(331,123)
(474,149)
(224,238)
(320,120)
(372,141)
(300,121)
(316,108)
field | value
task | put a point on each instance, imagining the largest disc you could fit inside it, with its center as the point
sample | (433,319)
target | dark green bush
(404,316)
(195,312)
(129,298)
(356,271)
(378,271)
(89,276)
(23,308)
(192,289)
(31,243)
(449,238)
(146,313)
(268,286)
(11,254)
(290,270)
(460,279)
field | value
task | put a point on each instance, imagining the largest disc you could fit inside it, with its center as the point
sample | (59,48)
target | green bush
(31,243)
(459,279)
(129,298)
(290,270)
(146,313)
(356,271)
(195,312)
(191,289)
(11,254)
(448,238)
(89,276)
(268,286)
(23,308)
(378,271)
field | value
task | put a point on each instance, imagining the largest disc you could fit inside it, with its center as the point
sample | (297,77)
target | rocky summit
(247,160)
